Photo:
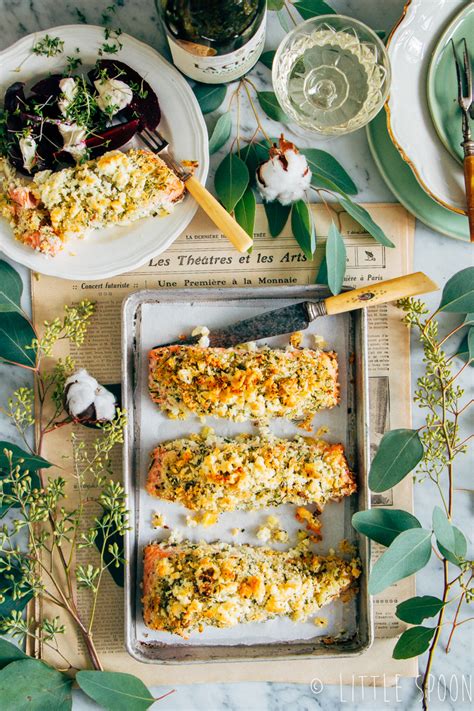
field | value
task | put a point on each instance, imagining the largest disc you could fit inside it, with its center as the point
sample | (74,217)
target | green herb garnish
(72,64)
(49,46)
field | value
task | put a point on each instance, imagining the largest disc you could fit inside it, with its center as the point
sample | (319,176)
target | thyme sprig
(49,46)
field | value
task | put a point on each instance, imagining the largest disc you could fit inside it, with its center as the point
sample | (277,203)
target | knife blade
(297,317)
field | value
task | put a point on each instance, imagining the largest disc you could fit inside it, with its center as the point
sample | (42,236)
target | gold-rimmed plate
(410,47)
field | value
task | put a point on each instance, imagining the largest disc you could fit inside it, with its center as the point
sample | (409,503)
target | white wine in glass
(331,74)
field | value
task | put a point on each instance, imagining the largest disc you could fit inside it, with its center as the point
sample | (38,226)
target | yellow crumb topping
(190,586)
(240,385)
(212,473)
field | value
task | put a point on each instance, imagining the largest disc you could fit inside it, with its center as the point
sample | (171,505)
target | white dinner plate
(410,47)
(105,253)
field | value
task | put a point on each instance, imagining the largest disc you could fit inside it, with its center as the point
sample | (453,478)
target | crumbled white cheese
(28,151)
(264,533)
(191,521)
(83,391)
(114,95)
(68,88)
(158,520)
(204,332)
(319,341)
(73,138)
(176,536)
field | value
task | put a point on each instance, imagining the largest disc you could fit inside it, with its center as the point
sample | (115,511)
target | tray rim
(130,305)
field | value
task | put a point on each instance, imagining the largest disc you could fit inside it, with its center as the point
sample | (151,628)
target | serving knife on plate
(297,317)
(212,207)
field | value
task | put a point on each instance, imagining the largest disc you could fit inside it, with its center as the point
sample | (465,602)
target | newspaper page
(201,257)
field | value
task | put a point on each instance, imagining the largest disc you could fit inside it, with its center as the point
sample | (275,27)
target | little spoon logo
(316,685)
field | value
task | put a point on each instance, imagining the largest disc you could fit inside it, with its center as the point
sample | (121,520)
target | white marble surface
(437,255)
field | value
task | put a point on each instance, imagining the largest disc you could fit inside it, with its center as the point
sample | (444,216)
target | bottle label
(198,62)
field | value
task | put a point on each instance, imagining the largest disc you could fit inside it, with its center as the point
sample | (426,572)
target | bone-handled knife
(298,316)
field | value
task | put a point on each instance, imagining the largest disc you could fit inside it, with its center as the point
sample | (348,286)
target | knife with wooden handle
(298,316)
(218,214)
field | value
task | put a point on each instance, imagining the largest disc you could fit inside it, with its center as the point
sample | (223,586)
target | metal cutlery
(218,214)
(298,316)
(465,101)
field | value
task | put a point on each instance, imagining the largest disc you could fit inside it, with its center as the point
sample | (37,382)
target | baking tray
(153,317)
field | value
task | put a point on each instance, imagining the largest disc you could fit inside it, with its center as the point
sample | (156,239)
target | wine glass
(331,74)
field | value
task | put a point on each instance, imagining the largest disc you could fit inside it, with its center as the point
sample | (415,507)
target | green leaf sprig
(432,451)
(33,494)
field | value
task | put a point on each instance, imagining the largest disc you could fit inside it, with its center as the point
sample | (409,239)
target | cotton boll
(104,403)
(285,176)
(79,398)
(86,399)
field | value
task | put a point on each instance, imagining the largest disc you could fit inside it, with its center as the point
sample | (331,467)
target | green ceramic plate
(403,184)
(442,84)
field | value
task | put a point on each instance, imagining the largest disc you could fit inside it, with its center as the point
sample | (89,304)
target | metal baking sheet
(154,317)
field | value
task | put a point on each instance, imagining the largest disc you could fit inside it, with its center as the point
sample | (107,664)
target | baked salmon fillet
(239,384)
(115,189)
(189,586)
(248,472)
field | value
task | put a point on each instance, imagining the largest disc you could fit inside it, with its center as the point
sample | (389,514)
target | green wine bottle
(214,41)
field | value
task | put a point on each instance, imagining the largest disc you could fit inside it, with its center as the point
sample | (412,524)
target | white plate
(409,122)
(115,250)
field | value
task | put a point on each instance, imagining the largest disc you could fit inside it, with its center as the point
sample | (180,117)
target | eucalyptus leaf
(443,529)
(458,292)
(335,259)
(409,552)
(11,288)
(26,462)
(20,457)
(284,20)
(231,180)
(277,216)
(322,275)
(361,215)
(210,96)
(275,4)
(413,642)
(313,8)
(399,452)
(31,685)
(469,319)
(269,103)
(417,609)
(327,172)
(10,653)
(221,132)
(16,334)
(303,228)
(466,347)
(115,691)
(267,58)
(10,602)
(384,525)
(460,548)
(245,211)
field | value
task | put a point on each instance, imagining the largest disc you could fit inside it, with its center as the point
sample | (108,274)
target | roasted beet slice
(14,104)
(107,140)
(144,104)
(114,137)
(48,86)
